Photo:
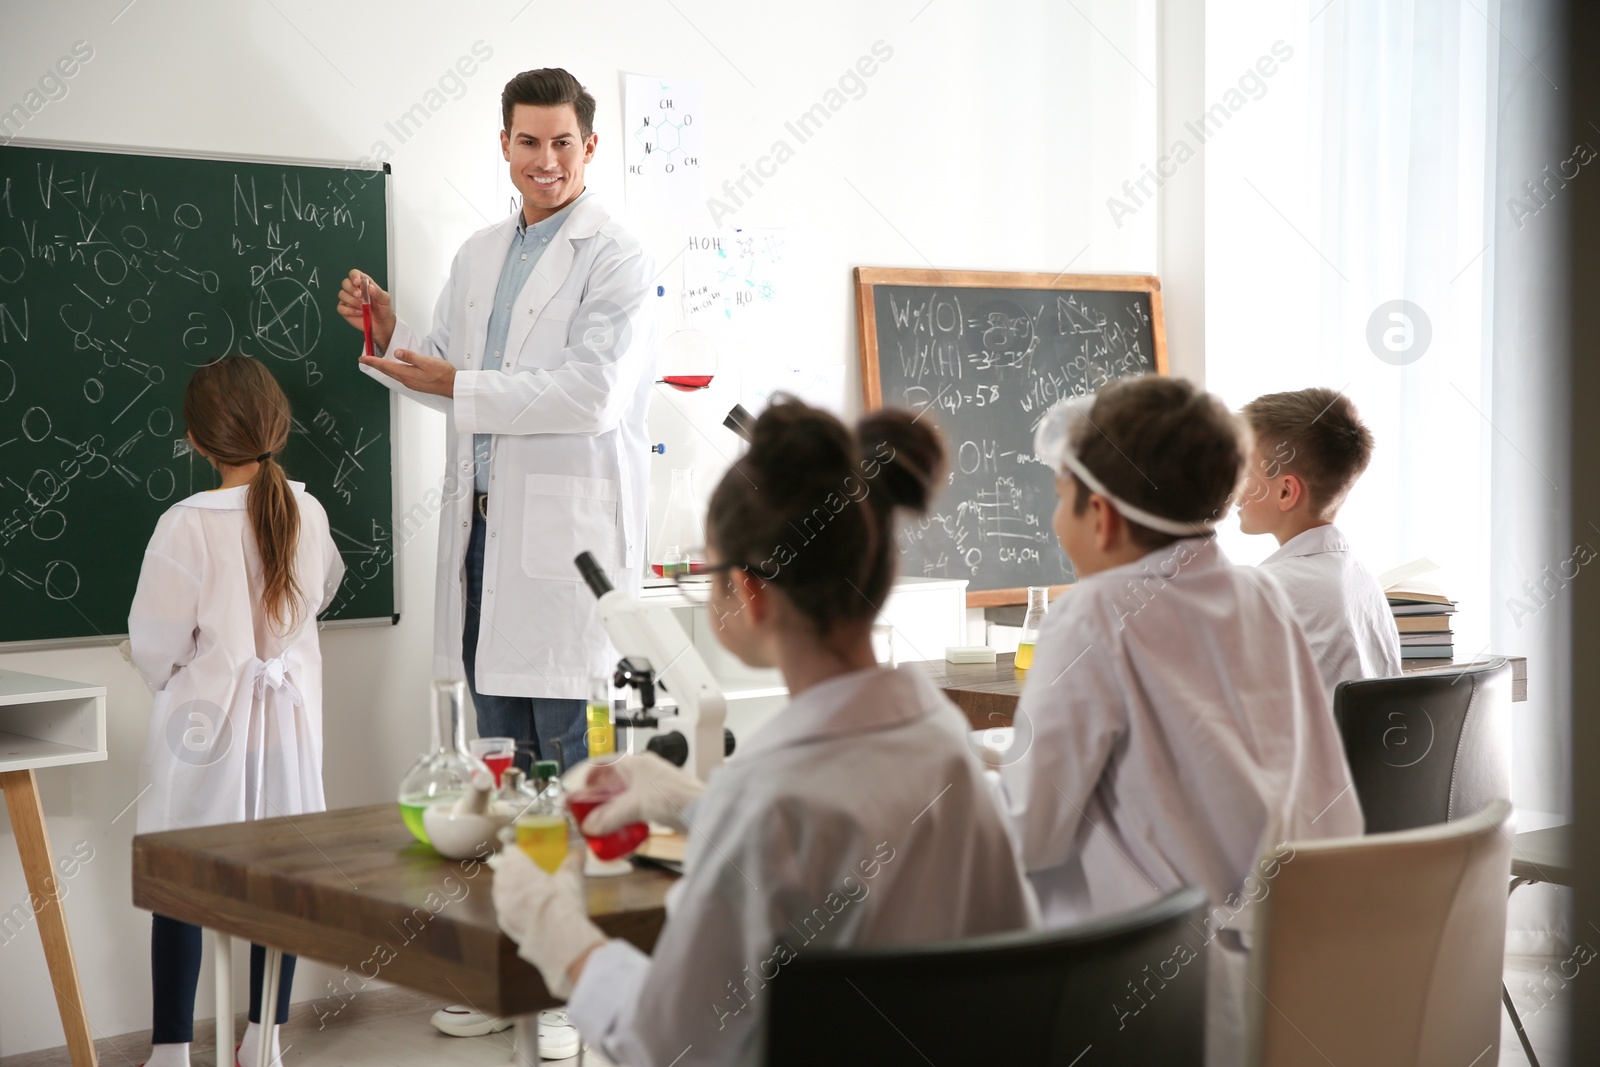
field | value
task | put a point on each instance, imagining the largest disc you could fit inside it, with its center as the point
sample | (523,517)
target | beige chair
(1384,950)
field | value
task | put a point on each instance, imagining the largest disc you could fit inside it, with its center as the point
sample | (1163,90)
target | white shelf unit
(926,615)
(49,722)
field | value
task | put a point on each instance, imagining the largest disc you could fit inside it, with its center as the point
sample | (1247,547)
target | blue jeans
(175,973)
(533,722)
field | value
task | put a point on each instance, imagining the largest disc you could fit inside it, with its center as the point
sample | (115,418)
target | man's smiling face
(547,152)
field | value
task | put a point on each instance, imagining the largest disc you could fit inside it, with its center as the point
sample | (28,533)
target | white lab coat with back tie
(1339,604)
(1172,729)
(569,465)
(857,816)
(236,723)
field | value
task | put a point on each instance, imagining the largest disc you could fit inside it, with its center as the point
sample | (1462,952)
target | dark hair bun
(810,507)
(796,443)
(910,451)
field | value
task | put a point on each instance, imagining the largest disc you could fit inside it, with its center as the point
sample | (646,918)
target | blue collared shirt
(527,245)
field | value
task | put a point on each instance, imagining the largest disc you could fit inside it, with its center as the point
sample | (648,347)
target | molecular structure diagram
(664,133)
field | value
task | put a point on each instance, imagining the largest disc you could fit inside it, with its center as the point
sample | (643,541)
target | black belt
(483,505)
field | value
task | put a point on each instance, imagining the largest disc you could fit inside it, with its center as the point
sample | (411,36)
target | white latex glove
(651,790)
(544,914)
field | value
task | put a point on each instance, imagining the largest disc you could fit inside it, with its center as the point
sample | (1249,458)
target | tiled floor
(393,1031)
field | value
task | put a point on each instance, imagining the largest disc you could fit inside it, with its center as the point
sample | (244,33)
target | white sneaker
(558,1038)
(458,1020)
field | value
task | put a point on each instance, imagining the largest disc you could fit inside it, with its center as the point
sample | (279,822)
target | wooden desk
(353,888)
(988,692)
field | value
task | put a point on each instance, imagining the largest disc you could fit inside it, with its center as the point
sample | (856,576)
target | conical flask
(681,528)
(1032,623)
(445,771)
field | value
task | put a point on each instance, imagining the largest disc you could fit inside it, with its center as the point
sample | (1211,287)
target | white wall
(991,139)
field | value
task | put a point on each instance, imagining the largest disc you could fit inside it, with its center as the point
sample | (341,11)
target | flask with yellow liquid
(1032,623)
(541,831)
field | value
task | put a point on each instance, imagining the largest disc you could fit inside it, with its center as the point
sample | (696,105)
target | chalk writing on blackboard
(985,356)
(119,274)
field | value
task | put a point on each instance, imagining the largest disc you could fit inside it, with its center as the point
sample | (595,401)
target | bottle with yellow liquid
(1032,623)
(444,772)
(542,830)
(602,733)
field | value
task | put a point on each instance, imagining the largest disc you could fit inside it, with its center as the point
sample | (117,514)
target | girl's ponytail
(275,520)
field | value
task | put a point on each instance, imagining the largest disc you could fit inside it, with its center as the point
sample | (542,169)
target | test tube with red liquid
(618,843)
(366,316)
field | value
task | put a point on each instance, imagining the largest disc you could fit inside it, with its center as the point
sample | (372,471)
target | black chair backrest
(1129,989)
(1427,748)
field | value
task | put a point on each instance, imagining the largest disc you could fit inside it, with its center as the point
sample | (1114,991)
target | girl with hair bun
(223,628)
(857,816)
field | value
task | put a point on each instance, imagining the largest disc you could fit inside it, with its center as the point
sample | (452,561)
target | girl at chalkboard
(223,629)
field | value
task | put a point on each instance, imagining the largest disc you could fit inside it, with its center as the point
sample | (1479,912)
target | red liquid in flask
(687,381)
(612,846)
(498,765)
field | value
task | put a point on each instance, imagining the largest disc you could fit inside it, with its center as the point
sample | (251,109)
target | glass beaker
(681,526)
(497,754)
(446,770)
(1032,623)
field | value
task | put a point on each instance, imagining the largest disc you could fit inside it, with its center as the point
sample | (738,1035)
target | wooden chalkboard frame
(869,278)
(395,452)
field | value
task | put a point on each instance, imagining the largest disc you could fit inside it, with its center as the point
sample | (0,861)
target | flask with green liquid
(445,771)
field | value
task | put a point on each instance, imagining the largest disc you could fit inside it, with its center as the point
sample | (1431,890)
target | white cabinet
(48,722)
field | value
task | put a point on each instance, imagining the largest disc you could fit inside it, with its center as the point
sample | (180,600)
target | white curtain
(1385,161)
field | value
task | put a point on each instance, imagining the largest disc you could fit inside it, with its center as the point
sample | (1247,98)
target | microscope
(657,654)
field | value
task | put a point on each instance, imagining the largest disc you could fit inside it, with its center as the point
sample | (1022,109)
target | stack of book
(1421,612)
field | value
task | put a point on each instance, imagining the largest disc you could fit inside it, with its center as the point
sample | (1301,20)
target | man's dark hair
(548,87)
(1162,445)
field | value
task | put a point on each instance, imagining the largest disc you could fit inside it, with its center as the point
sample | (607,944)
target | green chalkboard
(120,272)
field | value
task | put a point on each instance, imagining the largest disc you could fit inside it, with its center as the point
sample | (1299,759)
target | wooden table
(353,888)
(988,692)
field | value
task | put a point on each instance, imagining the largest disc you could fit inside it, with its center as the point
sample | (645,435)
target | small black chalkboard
(986,354)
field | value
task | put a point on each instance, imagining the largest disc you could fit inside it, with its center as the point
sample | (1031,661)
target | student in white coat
(1310,447)
(223,628)
(542,360)
(858,816)
(1173,729)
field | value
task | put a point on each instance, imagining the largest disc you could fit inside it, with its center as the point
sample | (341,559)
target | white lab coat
(1339,605)
(569,470)
(1172,728)
(858,816)
(236,724)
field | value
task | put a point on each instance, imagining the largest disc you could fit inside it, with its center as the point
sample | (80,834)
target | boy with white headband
(1173,729)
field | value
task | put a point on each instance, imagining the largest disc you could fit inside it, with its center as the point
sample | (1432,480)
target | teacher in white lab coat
(541,359)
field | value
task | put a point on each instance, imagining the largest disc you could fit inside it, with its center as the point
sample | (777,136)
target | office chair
(1427,748)
(1384,950)
(1126,989)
